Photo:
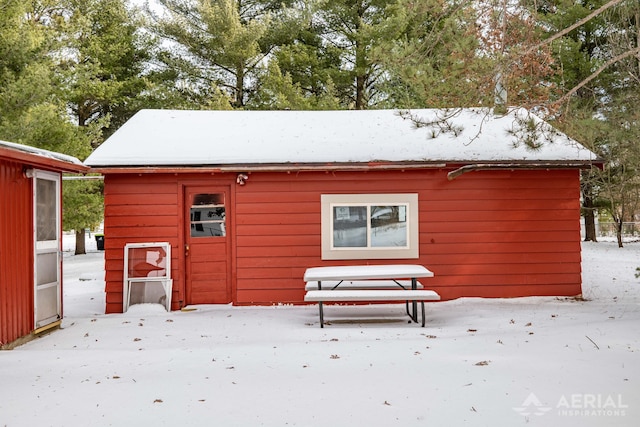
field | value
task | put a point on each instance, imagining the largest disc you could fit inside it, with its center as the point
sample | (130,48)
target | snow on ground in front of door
(490,362)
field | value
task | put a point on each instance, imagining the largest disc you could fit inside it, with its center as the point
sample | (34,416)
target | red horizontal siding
(278,252)
(270,296)
(138,208)
(490,229)
(478,215)
(512,195)
(122,222)
(141,234)
(508,258)
(290,260)
(502,248)
(277,230)
(491,233)
(499,205)
(276,219)
(500,226)
(429,238)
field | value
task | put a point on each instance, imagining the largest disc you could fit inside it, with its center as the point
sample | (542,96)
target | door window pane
(46,210)
(208,216)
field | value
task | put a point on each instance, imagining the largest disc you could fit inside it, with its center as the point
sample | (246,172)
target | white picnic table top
(366,272)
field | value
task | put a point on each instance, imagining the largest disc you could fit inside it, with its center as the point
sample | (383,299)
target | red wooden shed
(30,239)
(249,199)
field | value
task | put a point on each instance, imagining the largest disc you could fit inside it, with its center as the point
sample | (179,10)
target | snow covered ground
(479,362)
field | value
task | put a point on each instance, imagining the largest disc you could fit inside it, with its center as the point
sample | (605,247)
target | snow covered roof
(42,157)
(226,138)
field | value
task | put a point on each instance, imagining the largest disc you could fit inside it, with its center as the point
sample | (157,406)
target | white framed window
(147,274)
(369,226)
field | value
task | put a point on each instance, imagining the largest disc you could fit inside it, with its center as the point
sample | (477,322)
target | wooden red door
(207,245)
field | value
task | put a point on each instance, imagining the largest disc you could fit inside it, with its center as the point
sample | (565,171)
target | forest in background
(73,71)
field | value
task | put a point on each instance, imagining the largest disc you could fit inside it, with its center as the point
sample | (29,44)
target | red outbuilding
(247,200)
(30,239)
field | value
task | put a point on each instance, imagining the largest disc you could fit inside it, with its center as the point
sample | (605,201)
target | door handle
(186,250)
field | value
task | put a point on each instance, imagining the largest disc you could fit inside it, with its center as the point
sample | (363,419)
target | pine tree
(599,60)
(352,30)
(219,48)
(101,62)
(431,53)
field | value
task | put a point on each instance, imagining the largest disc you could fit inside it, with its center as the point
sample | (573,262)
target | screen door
(47,304)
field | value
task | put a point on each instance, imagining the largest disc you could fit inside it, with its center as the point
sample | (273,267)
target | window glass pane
(46,210)
(147,293)
(147,262)
(350,226)
(47,268)
(389,226)
(208,215)
(47,303)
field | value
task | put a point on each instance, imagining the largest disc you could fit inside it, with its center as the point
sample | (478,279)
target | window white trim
(148,267)
(409,203)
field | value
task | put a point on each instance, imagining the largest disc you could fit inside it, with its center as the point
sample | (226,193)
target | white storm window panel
(147,274)
(369,226)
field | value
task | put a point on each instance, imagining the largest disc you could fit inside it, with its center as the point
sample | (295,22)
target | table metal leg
(422,302)
(414,304)
(320,306)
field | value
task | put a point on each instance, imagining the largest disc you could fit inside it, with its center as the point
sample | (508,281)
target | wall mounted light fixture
(242,178)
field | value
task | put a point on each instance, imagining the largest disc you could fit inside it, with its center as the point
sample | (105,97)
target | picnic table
(396,282)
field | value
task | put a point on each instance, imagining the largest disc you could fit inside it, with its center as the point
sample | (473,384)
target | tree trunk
(619,231)
(588,209)
(239,95)
(360,99)
(360,65)
(637,16)
(589,220)
(80,244)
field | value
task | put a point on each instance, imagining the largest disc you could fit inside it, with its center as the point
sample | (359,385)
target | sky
(537,361)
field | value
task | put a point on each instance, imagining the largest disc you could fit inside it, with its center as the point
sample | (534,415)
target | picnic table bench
(361,283)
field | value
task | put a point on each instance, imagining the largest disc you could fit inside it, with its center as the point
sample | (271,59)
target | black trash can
(100,241)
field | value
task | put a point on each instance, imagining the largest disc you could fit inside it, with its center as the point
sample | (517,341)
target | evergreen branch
(597,73)
(567,30)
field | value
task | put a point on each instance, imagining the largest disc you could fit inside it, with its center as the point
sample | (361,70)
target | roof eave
(548,165)
(42,161)
(345,166)
(264,167)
